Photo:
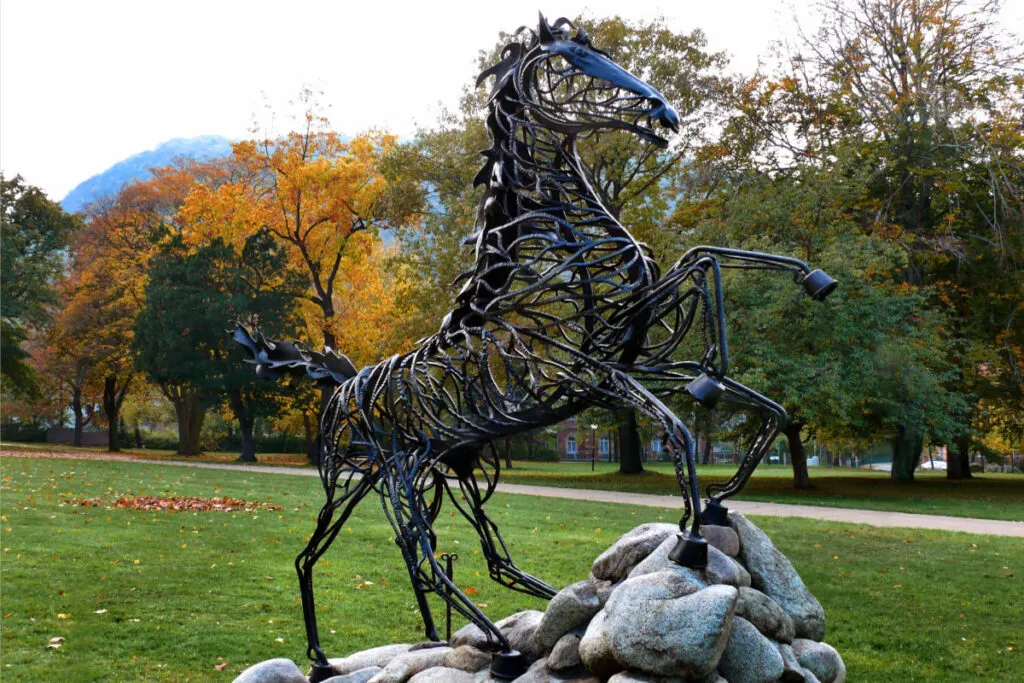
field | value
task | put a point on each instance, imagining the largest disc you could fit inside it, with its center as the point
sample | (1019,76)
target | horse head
(564,83)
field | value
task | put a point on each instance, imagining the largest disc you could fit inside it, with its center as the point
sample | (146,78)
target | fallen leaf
(221,666)
(100,611)
(62,615)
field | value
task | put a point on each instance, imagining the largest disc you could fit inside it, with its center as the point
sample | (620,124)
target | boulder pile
(638,618)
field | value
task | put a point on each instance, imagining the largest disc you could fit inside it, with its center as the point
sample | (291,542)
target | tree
(921,93)
(325,201)
(34,232)
(192,297)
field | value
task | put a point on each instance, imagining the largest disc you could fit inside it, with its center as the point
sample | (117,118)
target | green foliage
(34,235)
(193,299)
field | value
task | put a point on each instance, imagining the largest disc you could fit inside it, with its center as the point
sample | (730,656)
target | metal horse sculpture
(562,310)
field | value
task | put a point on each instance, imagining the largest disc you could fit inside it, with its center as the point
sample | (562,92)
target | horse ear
(544,31)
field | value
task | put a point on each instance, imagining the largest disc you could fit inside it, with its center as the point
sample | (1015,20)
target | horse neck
(538,170)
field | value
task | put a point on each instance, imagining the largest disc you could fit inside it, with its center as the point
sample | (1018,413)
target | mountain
(136,167)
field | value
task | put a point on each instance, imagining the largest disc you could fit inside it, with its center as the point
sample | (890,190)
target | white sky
(86,84)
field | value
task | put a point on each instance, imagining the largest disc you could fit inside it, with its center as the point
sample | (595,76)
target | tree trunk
(630,457)
(325,400)
(906,453)
(245,422)
(112,400)
(190,415)
(508,452)
(138,437)
(76,407)
(797,455)
(309,435)
(958,459)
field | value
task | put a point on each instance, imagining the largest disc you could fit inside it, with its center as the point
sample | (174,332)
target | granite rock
(656,623)
(279,670)
(518,629)
(467,658)
(405,666)
(722,569)
(596,649)
(377,656)
(360,676)
(632,547)
(749,657)
(821,659)
(792,672)
(722,537)
(566,652)
(573,606)
(765,614)
(772,574)
(445,674)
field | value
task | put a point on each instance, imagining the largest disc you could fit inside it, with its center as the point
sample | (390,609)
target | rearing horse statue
(562,310)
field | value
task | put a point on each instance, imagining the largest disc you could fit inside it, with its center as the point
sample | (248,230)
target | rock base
(639,618)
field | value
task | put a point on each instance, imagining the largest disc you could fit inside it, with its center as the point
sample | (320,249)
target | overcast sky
(86,84)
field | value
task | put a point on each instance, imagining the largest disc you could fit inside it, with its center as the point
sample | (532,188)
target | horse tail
(275,358)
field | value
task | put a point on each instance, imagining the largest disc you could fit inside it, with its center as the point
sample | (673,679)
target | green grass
(184,592)
(988,496)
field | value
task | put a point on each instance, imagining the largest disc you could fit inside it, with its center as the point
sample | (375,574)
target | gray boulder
(655,623)
(615,563)
(765,614)
(658,561)
(722,537)
(596,649)
(640,677)
(722,569)
(273,671)
(821,659)
(467,658)
(540,672)
(792,672)
(566,652)
(573,606)
(377,656)
(361,676)
(444,674)
(518,629)
(405,666)
(772,574)
(749,657)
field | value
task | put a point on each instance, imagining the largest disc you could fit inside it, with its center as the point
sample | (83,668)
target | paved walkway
(969,525)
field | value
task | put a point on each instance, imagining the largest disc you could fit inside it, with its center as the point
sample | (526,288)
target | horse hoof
(508,665)
(714,514)
(321,672)
(690,551)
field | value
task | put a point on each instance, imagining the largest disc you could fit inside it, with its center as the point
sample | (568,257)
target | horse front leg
(692,549)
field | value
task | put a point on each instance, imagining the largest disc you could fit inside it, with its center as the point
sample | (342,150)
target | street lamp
(593,447)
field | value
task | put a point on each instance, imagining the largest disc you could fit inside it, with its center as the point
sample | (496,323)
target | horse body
(562,310)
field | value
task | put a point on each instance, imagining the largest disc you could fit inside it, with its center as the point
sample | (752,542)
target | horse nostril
(666,115)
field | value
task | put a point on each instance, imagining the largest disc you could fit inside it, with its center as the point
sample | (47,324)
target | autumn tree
(924,93)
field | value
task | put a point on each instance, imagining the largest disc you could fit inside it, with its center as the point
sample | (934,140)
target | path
(969,525)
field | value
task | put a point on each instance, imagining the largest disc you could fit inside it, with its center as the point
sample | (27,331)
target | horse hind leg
(327,528)
(413,532)
(501,567)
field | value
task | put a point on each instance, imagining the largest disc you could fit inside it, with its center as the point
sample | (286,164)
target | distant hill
(136,167)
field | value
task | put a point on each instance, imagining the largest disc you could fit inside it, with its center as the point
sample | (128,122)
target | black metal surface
(562,310)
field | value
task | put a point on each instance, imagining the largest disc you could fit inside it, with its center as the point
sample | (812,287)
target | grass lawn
(172,596)
(988,496)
